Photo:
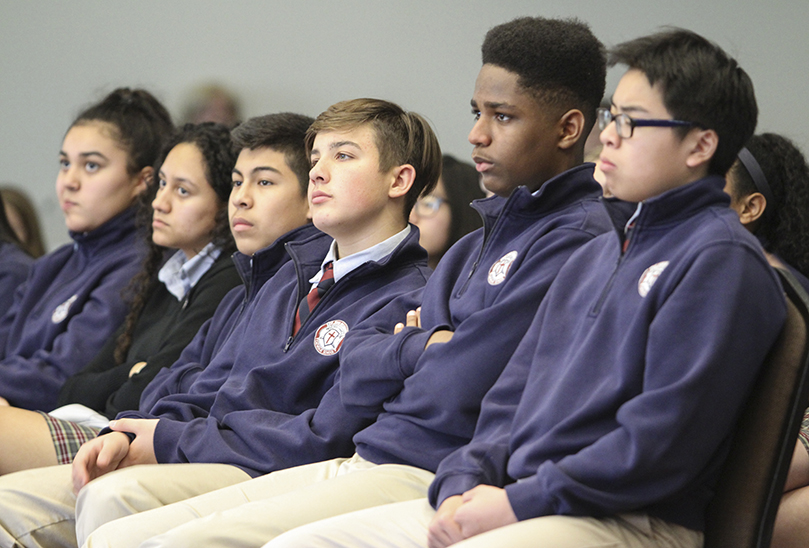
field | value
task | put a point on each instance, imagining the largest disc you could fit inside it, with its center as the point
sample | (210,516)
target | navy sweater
(269,400)
(65,311)
(486,289)
(624,394)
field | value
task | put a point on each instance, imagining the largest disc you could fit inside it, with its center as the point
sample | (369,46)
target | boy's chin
(498,186)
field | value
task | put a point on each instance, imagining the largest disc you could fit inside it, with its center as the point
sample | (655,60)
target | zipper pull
(289,343)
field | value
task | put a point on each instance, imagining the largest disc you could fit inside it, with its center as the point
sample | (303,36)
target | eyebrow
(630,108)
(85,154)
(264,168)
(258,169)
(337,144)
(492,104)
(162,175)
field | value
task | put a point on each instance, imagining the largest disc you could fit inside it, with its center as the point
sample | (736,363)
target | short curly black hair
(700,84)
(284,132)
(559,61)
(784,226)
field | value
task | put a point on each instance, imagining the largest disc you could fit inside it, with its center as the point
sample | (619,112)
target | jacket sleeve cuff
(413,347)
(529,499)
(167,435)
(107,430)
(449,486)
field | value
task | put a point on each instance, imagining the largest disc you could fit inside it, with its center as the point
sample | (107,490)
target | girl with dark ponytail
(72,297)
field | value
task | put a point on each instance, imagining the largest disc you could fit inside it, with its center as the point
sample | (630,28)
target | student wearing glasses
(444,215)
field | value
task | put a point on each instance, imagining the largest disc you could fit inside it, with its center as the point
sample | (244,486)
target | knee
(110,497)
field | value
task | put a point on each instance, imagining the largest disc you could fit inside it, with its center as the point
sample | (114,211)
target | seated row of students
(185,211)
(189,197)
(598,334)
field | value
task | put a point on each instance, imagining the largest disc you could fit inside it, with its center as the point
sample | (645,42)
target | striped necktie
(309,302)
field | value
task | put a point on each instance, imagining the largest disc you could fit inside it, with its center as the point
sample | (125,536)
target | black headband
(759,180)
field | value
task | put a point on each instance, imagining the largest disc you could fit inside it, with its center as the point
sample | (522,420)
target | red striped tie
(309,302)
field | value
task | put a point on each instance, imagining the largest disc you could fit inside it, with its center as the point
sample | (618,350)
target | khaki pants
(38,507)
(253,512)
(404,525)
(141,489)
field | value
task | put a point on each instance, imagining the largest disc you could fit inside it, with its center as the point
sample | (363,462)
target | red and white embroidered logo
(329,337)
(650,276)
(60,313)
(499,270)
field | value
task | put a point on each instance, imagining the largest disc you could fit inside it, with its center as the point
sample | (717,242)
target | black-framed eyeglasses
(625,126)
(428,206)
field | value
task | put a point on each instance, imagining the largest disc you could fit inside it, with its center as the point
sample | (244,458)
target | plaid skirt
(67,437)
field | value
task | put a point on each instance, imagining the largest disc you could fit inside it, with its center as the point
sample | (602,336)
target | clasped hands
(113,451)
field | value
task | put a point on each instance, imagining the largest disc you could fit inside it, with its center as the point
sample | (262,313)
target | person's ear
(571,128)
(703,144)
(403,178)
(751,208)
(142,180)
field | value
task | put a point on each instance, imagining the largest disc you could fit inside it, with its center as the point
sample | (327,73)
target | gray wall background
(56,57)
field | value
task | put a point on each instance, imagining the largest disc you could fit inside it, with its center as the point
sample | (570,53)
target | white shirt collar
(180,274)
(344,266)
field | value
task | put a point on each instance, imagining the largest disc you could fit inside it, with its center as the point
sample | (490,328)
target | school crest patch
(499,270)
(329,337)
(60,313)
(650,276)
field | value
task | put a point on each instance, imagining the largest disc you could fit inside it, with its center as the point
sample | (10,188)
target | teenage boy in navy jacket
(279,403)
(611,422)
(534,103)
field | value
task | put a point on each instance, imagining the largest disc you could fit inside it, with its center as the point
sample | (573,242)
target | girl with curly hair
(769,189)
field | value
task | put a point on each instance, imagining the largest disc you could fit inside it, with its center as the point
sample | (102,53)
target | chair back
(743,510)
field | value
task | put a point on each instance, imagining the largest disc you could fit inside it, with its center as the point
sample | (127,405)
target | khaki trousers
(404,525)
(38,508)
(252,512)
